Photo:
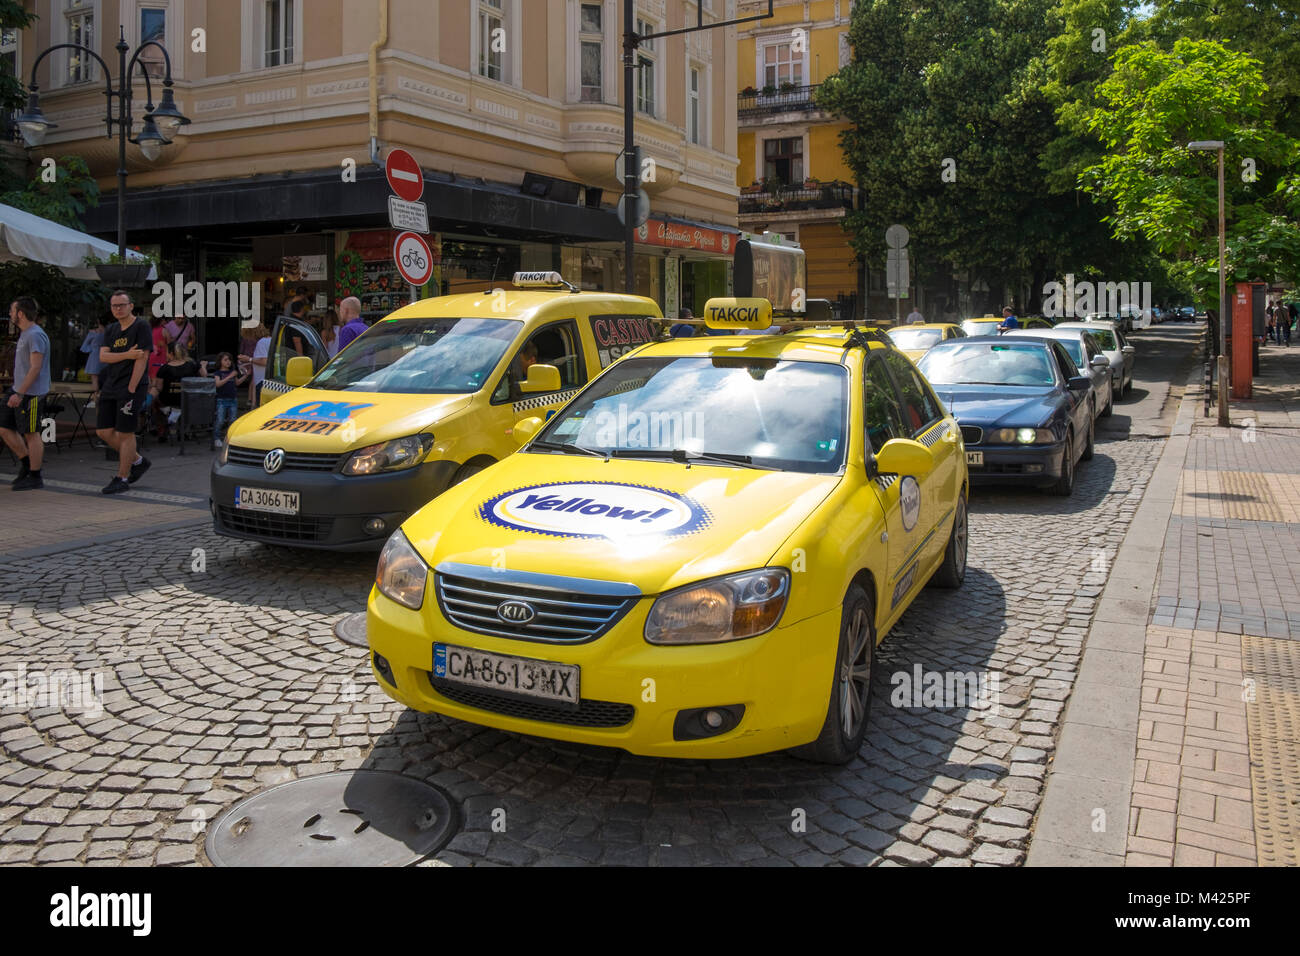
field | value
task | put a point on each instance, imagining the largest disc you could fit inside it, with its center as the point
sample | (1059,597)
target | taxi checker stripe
(557,398)
(930,438)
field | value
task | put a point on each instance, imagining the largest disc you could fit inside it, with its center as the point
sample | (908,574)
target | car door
(883,420)
(1101,376)
(1078,402)
(290,338)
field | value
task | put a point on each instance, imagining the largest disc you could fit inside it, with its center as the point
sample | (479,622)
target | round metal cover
(344,818)
(351,629)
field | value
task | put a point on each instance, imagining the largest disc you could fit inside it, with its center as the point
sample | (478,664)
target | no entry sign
(413,258)
(404,175)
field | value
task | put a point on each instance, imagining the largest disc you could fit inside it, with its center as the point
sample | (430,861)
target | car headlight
(395,455)
(721,609)
(1022,436)
(224,451)
(402,573)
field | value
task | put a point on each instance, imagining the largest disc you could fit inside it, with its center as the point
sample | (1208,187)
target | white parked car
(1121,353)
(1087,355)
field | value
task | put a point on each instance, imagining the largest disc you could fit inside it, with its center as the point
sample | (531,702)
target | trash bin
(198,406)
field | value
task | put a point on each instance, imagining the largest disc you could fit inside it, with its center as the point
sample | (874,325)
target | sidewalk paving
(1186,717)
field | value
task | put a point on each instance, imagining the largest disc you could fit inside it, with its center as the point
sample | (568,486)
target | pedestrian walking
(124,386)
(914,317)
(1283,318)
(181,331)
(350,316)
(228,378)
(23,410)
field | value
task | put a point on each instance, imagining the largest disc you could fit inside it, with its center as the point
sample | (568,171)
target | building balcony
(766,199)
(758,106)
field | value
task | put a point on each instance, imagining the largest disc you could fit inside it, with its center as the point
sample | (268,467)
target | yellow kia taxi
(915,340)
(421,401)
(695,557)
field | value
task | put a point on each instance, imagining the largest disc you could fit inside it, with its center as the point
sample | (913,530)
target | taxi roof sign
(730,314)
(541,280)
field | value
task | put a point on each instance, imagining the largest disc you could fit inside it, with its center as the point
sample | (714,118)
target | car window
(1091,345)
(920,409)
(988,361)
(915,339)
(1066,363)
(1105,339)
(556,345)
(881,413)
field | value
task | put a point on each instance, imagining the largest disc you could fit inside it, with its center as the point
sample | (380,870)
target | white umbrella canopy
(24,235)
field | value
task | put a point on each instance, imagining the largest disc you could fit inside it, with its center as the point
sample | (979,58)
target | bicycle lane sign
(413,258)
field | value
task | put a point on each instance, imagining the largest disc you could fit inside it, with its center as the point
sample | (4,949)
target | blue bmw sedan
(1024,408)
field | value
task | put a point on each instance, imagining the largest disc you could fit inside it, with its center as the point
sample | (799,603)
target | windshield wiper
(569,447)
(686,457)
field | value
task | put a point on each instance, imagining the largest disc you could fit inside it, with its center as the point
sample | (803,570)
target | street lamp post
(1216,145)
(157,128)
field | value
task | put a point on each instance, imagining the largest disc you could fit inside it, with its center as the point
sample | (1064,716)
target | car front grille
(293,460)
(590,713)
(971,434)
(283,527)
(561,616)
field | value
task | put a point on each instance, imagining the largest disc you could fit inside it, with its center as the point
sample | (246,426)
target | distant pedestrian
(228,378)
(181,331)
(329,332)
(350,316)
(914,317)
(23,410)
(256,362)
(1009,320)
(1283,319)
(680,329)
(1270,324)
(91,345)
(124,386)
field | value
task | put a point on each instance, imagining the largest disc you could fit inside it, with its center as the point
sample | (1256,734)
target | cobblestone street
(221,681)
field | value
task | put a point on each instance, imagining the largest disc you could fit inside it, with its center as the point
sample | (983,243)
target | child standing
(228,379)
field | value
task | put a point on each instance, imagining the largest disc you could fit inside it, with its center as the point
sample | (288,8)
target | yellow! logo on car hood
(654,524)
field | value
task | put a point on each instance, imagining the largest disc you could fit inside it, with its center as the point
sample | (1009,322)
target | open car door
(289,338)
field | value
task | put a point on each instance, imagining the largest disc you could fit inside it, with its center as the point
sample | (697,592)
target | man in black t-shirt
(123,386)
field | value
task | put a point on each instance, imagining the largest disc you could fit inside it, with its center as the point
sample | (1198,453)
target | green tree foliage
(62,201)
(13,17)
(1154,102)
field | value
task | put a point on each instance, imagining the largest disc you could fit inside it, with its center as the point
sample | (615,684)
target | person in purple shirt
(350,316)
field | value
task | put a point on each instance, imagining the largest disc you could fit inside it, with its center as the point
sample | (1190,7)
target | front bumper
(332,507)
(783,679)
(1035,465)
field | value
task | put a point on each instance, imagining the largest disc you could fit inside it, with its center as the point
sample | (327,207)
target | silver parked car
(1121,353)
(1087,355)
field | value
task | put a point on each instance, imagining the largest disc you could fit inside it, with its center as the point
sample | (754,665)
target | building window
(647,60)
(783,161)
(80,20)
(781,65)
(9,59)
(491,39)
(592,46)
(153,26)
(693,117)
(279,33)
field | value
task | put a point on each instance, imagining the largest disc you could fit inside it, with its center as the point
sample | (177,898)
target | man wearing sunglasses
(128,343)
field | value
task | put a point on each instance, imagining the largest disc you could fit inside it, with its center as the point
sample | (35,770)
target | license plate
(975,458)
(265,499)
(546,680)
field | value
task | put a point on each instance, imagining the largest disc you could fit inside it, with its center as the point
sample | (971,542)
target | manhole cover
(344,818)
(351,629)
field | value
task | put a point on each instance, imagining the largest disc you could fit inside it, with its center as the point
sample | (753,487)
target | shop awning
(24,235)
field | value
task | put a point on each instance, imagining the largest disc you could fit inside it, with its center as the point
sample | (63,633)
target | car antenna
(495,263)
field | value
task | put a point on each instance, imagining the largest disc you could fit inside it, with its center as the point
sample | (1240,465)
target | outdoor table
(77,393)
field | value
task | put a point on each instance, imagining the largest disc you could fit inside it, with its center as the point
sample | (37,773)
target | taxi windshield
(421,356)
(766,413)
(915,339)
(987,363)
(981,326)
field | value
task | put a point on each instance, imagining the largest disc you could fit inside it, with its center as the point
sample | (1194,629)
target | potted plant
(788,87)
(769,90)
(122,272)
(749,91)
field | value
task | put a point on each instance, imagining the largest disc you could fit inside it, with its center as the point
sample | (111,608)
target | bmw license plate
(546,680)
(266,499)
(975,458)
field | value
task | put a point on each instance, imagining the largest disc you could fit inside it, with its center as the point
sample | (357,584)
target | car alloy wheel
(855,676)
(845,723)
(1064,486)
(952,572)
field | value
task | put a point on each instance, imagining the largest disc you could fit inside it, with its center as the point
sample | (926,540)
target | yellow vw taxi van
(695,557)
(421,401)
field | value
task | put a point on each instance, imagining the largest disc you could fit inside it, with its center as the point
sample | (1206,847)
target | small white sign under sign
(408,216)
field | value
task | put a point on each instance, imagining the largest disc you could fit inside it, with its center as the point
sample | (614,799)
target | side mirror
(298,371)
(1080,383)
(541,378)
(1129,349)
(1100,361)
(902,456)
(526,429)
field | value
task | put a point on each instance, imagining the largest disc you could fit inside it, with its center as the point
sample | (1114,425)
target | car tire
(855,660)
(1110,405)
(467,470)
(952,572)
(1064,486)
(1090,447)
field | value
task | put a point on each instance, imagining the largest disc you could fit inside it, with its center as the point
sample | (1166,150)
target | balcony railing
(791,198)
(782,100)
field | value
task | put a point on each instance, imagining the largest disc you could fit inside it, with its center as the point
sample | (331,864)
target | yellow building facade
(513,108)
(791,171)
